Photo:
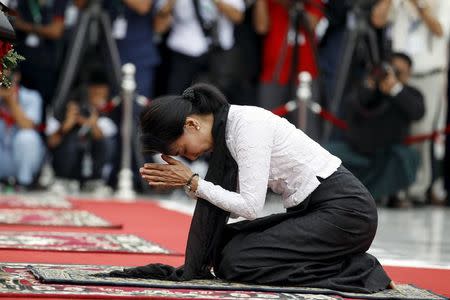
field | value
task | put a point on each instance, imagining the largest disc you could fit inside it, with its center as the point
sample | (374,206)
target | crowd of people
(394,87)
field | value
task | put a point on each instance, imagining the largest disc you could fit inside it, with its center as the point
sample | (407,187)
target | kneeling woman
(330,220)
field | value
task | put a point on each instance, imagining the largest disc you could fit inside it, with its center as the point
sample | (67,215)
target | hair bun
(189,94)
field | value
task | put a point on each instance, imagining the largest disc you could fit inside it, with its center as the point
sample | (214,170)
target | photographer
(83,135)
(421,28)
(380,113)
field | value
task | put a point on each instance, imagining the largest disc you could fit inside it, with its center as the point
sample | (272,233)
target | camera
(85,110)
(380,71)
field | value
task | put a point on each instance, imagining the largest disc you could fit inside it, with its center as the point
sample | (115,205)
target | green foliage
(9,62)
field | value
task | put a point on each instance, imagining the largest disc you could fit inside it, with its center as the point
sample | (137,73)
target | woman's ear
(191,123)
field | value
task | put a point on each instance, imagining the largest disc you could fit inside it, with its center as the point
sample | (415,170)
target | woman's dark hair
(163,120)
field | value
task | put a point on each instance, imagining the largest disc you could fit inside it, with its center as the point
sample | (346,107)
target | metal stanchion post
(304,95)
(125,186)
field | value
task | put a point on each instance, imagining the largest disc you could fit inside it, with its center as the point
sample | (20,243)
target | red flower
(5,47)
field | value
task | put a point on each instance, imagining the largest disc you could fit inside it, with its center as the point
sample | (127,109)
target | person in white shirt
(201,29)
(331,218)
(421,29)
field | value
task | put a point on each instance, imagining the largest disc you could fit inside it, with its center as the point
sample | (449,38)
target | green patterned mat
(16,281)
(82,275)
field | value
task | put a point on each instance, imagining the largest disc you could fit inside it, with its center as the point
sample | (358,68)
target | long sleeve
(410,102)
(252,142)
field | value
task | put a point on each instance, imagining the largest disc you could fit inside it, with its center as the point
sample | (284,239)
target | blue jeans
(22,157)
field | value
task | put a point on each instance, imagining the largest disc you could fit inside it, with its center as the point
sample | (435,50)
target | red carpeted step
(143,218)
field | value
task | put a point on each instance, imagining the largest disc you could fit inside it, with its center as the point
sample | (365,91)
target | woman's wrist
(190,182)
(194,184)
(191,186)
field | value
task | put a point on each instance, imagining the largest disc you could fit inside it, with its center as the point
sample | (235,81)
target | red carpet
(145,219)
(436,280)
(168,229)
(53,217)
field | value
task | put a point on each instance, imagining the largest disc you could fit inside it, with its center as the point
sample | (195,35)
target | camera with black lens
(380,71)
(85,110)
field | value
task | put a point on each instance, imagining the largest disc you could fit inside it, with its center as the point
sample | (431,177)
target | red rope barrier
(333,119)
(317,109)
(423,137)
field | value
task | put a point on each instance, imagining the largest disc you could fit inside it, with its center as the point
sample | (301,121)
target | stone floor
(414,237)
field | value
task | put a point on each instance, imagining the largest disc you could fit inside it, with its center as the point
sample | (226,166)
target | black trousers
(68,156)
(184,71)
(320,243)
(216,67)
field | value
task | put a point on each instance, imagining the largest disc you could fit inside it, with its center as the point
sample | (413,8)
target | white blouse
(270,152)
(186,35)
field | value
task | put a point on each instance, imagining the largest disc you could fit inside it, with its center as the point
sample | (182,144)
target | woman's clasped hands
(173,174)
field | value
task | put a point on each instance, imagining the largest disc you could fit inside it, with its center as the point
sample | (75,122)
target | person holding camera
(421,28)
(20,114)
(379,114)
(83,135)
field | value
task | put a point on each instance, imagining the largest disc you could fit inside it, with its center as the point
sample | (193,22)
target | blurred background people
(253,50)
(349,49)
(248,43)
(331,45)
(85,136)
(21,147)
(421,28)
(447,145)
(201,42)
(289,47)
(380,114)
(132,28)
(40,28)
(72,14)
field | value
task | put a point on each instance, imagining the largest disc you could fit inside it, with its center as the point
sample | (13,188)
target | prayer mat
(79,242)
(43,201)
(82,275)
(17,281)
(48,217)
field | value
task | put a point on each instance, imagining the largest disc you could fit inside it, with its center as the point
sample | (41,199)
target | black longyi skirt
(322,242)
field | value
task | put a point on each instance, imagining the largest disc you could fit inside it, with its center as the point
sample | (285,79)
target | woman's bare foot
(392,285)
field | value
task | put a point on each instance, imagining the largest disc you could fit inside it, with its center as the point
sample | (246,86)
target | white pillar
(304,95)
(125,185)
